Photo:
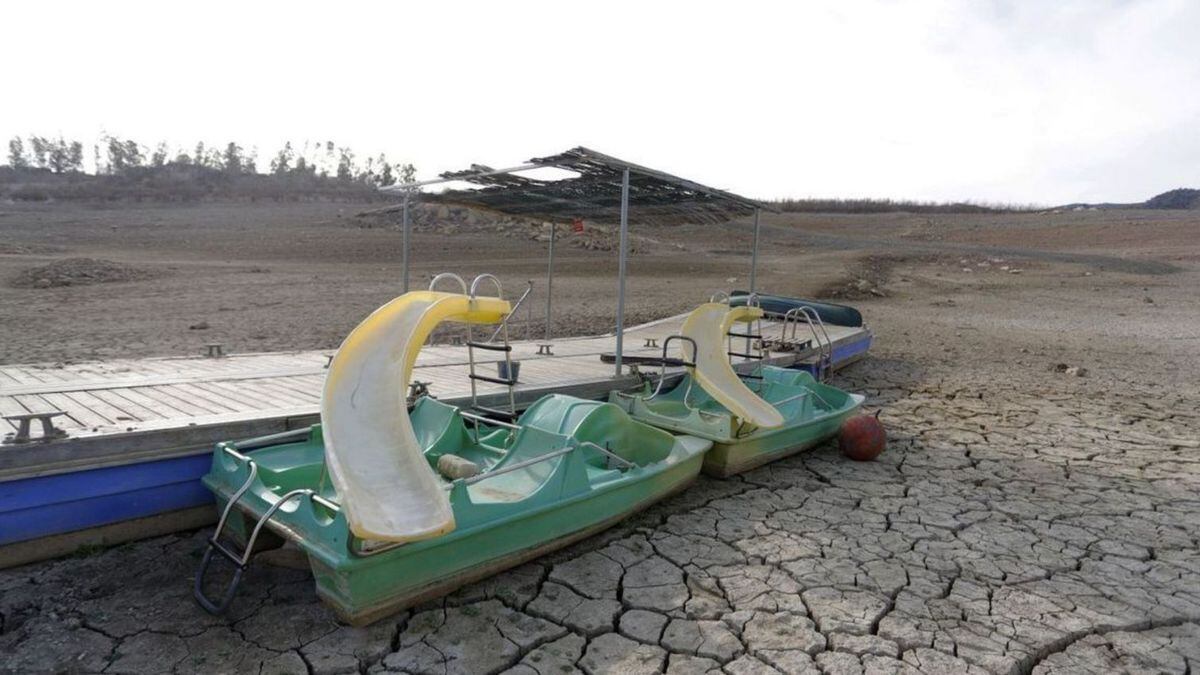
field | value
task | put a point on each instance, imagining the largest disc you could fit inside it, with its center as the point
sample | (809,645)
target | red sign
(577,225)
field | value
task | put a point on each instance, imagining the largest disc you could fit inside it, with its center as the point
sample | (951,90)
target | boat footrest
(493,380)
(756,357)
(497,413)
(628,359)
(490,347)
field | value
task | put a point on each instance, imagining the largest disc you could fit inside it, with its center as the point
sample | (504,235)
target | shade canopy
(591,190)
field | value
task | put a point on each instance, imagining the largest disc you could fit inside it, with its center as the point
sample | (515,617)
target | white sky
(1044,102)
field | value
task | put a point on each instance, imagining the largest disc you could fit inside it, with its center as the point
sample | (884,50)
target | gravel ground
(1026,518)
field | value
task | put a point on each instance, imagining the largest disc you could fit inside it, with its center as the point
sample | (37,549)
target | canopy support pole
(550,283)
(407,227)
(754,255)
(621,259)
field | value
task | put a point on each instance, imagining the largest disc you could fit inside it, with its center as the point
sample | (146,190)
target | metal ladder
(756,348)
(241,560)
(510,381)
(807,315)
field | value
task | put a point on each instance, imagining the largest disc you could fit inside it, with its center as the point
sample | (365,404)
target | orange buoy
(862,438)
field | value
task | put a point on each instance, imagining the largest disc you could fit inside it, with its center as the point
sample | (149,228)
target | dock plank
(164,405)
(128,406)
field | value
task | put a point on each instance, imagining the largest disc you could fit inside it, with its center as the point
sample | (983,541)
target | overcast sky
(1031,102)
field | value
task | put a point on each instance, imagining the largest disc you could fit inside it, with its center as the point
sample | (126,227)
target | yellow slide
(386,487)
(707,325)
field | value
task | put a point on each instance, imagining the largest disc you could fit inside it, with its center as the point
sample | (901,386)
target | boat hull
(731,458)
(734,450)
(569,468)
(363,589)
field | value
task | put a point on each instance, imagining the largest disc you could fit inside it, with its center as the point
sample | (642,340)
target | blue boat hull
(31,508)
(843,354)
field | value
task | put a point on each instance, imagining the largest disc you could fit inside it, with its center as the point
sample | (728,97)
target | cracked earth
(1022,520)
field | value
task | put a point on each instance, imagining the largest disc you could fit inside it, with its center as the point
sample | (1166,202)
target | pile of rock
(452,220)
(79,272)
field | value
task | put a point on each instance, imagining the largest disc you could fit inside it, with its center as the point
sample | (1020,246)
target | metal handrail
(512,396)
(513,467)
(449,275)
(608,453)
(813,314)
(511,312)
(481,419)
(662,373)
(793,398)
(485,277)
(541,458)
(268,440)
(433,283)
(488,420)
(253,467)
(813,319)
(241,561)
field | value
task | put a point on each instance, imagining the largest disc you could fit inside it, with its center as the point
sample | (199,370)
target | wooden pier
(132,409)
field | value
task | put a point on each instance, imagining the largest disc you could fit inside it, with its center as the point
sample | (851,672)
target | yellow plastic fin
(708,325)
(387,489)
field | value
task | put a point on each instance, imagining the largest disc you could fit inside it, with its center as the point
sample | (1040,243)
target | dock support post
(407,227)
(550,282)
(754,256)
(753,272)
(624,252)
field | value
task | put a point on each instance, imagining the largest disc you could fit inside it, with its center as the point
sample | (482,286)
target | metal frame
(413,188)
(754,255)
(622,257)
(550,283)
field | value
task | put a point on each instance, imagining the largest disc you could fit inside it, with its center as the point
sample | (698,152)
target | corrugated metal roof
(595,194)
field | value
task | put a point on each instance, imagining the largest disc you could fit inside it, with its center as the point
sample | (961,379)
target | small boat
(836,332)
(779,305)
(813,413)
(752,418)
(394,506)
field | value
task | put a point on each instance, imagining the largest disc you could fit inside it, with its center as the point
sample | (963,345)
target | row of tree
(58,156)
(117,156)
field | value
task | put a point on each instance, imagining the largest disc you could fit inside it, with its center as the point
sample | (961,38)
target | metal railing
(510,380)
(241,560)
(517,306)
(820,336)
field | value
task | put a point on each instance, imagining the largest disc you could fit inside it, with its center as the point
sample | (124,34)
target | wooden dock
(136,435)
(133,409)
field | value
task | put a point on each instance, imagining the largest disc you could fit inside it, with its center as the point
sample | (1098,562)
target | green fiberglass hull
(516,508)
(813,413)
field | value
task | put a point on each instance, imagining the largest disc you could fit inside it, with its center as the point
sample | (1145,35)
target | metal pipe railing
(513,311)
(513,467)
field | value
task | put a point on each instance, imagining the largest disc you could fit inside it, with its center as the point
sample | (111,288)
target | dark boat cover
(836,315)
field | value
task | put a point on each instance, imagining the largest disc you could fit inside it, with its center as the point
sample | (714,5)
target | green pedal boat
(522,490)
(395,503)
(753,418)
(813,413)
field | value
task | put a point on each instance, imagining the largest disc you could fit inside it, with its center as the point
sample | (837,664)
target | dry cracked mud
(1016,525)
(1023,520)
